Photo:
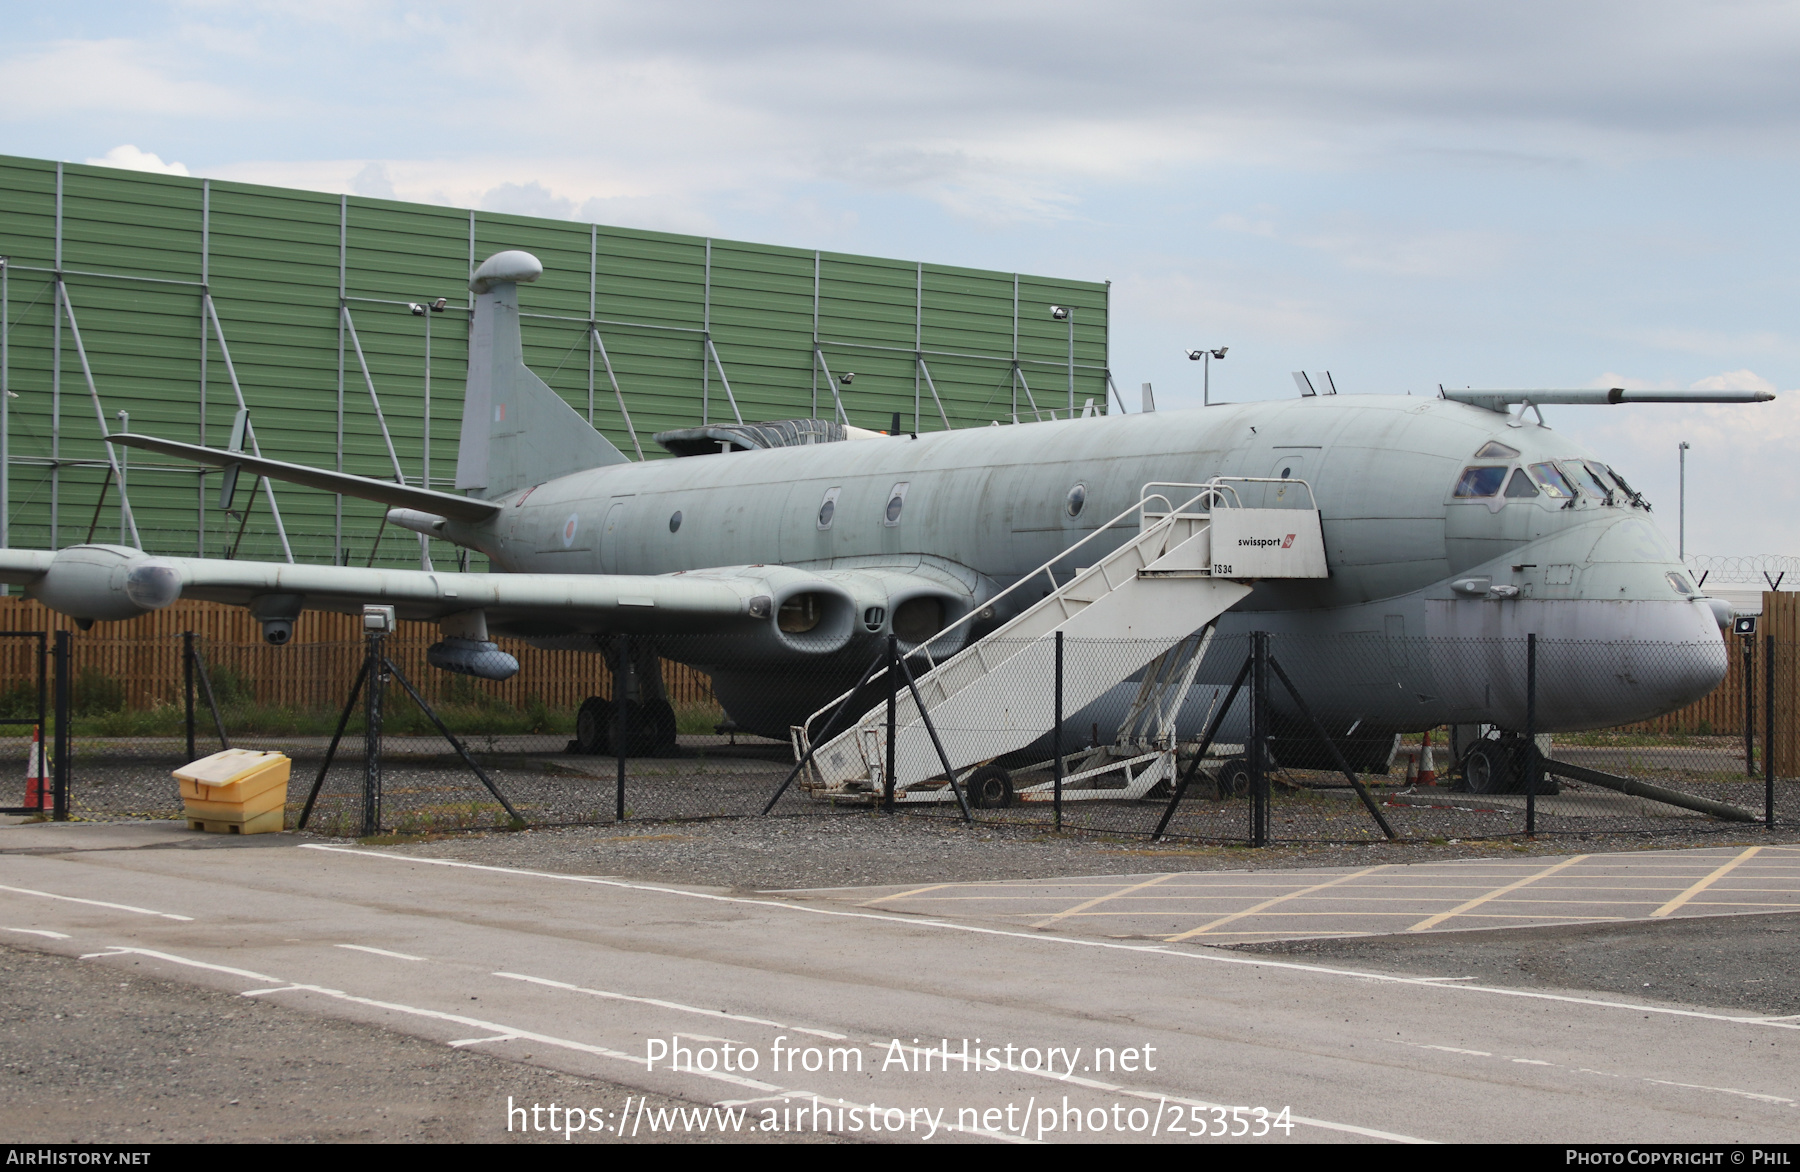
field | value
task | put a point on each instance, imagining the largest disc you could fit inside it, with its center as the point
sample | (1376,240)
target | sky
(1406,194)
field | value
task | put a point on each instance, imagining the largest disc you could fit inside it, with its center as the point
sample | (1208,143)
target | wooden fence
(141,660)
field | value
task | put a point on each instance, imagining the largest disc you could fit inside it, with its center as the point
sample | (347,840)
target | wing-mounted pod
(106,583)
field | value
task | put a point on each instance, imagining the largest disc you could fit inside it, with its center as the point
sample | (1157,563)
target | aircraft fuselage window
(895,504)
(1584,476)
(1077,498)
(800,614)
(1520,485)
(1477,482)
(1554,482)
(675,521)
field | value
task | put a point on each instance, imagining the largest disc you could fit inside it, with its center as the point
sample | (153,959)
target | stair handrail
(1208,490)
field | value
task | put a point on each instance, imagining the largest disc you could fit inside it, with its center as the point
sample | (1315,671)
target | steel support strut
(943,757)
(893,698)
(1343,766)
(1212,730)
(826,733)
(1259,738)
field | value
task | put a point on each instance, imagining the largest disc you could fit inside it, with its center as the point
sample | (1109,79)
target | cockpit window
(1554,482)
(1520,485)
(1583,475)
(1680,582)
(1620,480)
(1480,482)
(1495,450)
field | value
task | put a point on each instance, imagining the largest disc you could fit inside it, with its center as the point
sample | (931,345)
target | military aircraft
(781,556)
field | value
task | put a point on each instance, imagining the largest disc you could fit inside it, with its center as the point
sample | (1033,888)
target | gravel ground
(95,1056)
(850,850)
(1726,962)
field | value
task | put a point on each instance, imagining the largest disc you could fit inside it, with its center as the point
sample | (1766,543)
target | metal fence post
(1259,718)
(893,696)
(1531,761)
(1749,705)
(60,798)
(1056,746)
(621,726)
(371,820)
(1769,731)
(187,680)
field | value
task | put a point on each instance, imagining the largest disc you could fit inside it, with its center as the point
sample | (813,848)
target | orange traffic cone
(1427,770)
(36,798)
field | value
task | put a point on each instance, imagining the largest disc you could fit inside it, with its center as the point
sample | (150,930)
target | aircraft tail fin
(516,431)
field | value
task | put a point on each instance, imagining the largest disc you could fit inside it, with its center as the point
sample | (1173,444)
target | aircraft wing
(444,504)
(112,583)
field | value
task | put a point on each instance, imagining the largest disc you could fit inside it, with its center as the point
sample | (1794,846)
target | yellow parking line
(1434,921)
(1697,888)
(906,894)
(1082,907)
(1268,903)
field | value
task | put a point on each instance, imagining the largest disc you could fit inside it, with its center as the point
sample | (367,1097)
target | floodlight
(417,309)
(846,377)
(1060,312)
(438,305)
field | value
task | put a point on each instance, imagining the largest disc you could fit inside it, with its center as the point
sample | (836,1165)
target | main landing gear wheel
(593,725)
(989,788)
(659,726)
(1233,778)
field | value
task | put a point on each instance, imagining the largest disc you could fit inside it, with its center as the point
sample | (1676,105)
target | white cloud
(130,158)
(1734,380)
(115,76)
(527,199)
(374,182)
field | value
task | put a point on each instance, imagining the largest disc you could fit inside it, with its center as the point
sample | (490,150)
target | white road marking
(1072,941)
(1661,1082)
(39,932)
(675,1005)
(379,951)
(118,907)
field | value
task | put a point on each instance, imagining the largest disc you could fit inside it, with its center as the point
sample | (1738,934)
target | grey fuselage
(989,505)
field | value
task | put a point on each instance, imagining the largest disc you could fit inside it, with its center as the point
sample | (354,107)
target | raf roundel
(569,527)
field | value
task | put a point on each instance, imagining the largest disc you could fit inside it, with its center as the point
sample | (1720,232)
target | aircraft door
(1288,466)
(612,537)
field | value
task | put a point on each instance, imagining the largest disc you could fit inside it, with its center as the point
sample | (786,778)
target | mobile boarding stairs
(1155,599)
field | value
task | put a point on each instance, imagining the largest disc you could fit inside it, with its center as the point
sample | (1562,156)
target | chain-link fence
(1348,738)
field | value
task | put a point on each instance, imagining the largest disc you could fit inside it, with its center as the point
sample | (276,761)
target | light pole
(1064,313)
(124,418)
(1681,507)
(1206,357)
